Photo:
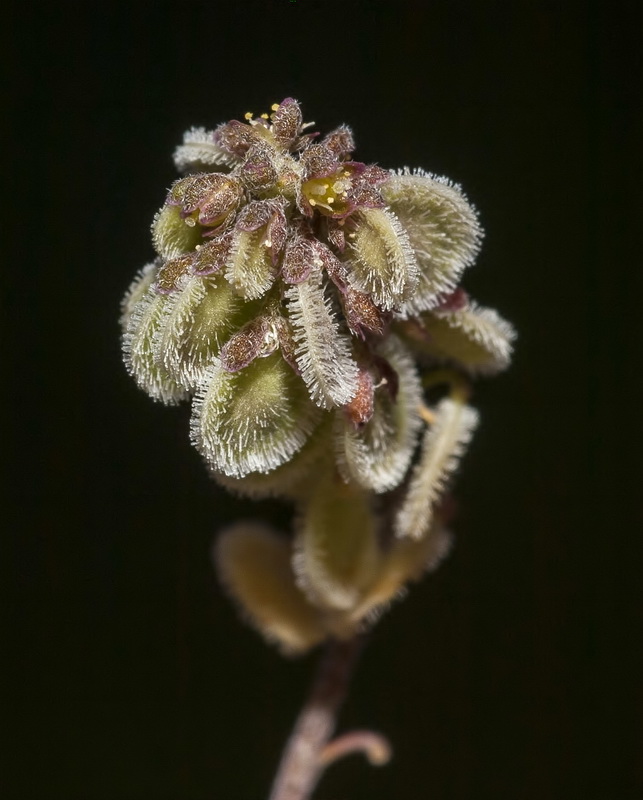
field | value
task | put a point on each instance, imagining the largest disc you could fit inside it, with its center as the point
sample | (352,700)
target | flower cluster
(304,301)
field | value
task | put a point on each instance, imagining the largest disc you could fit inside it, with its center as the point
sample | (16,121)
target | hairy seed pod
(253,564)
(144,322)
(377,455)
(443,445)
(323,352)
(442,228)
(337,554)
(473,338)
(172,234)
(196,321)
(253,420)
(381,259)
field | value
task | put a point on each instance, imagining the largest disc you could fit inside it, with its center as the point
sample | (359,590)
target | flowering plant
(309,305)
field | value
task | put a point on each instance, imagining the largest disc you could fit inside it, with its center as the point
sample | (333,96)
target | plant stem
(301,767)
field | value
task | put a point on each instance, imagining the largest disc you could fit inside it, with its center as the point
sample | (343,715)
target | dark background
(513,672)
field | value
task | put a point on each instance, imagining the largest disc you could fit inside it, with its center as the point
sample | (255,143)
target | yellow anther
(248,115)
(268,243)
(274,106)
(264,116)
(346,172)
(331,199)
(312,202)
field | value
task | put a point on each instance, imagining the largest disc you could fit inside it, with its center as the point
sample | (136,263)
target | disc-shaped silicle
(254,565)
(253,420)
(336,549)
(443,445)
(172,235)
(249,266)
(294,479)
(323,352)
(378,455)
(442,228)
(476,339)
(197,320)
(380,258)
(144,322)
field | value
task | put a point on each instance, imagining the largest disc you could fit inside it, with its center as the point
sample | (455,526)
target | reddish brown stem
(301,766)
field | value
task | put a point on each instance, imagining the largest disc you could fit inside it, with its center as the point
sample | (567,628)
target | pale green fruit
(442,228)
(378,455)
(293,480)
(323,352)
(249,267)
(197,320)
(443,445)
(476,339)
(253,420)
(406,560)
(381,259)
(143,322)
(254,566)
(172,235)
(336,550)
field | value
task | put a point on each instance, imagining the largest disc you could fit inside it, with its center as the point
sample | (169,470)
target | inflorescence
(309,304)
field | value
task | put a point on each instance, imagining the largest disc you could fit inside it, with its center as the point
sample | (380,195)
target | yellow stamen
(274,106)
(248,115)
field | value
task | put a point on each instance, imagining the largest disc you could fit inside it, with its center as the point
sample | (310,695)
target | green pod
(475,339)
(172,235)
(143,320)
(405,560)
(249,266)
(381,259)
(378,455)
(293,480)
(197,320)
(336,549)
(253,420)
(442,228)
(254,566)
(443,445)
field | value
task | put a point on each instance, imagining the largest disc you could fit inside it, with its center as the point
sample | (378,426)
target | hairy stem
(301,765)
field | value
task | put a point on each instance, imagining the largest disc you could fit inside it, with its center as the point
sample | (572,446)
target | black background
(513,672)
